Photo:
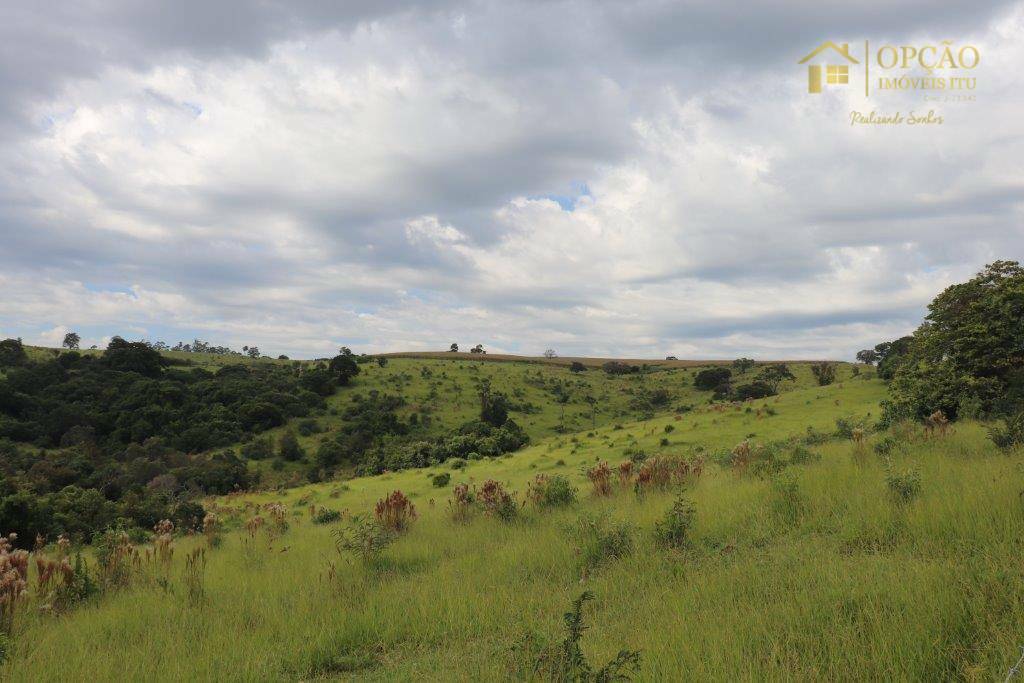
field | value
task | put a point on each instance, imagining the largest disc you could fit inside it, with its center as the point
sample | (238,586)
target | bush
(600,539)
(308,427)
(395,512)
(364,537)
(551,491)
(289,448)
(754,390)
(673,530)
(568,663)
(824,373)
(904,486)
(1010,434)
(326,516)
(496,501)
(711,378)
(441,480)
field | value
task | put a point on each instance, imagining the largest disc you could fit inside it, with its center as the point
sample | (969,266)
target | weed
(395,512)
(462,503)
(788,502)
(599,539)
(13,580)
(904,486)
(326,516)
(672,531)
(600,477)
(194,574)
(568,664)
(365,537)
(551,491)
(1010,434)
(497,502)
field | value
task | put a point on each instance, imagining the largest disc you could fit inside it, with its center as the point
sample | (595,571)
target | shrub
(753,390)
(496,501)
(326,516)
(711,378)
(441,480)
(551,491)
(824,373)
(904,486)
(1010,434)
(599,539)
(395,512)
(364,537)
(673,530)
(308,427)
(289,448)
(462,503)
(600,477)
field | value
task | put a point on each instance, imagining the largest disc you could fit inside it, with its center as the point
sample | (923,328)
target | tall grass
(817,572)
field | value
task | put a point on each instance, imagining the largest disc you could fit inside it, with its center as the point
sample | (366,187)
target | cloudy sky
(604,177)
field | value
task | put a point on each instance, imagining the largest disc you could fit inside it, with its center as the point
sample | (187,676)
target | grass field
(816,572)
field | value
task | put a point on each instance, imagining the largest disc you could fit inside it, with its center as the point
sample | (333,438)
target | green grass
(816,573)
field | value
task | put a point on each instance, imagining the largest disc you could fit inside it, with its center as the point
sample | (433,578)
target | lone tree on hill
(479,348)
(774,375)
(71,340)
(344,366)
(550,353)
(454,348)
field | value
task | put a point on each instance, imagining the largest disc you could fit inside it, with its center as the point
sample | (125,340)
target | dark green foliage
(125,356)
(754,390)
(774,375)
(344,367)
(577,366)
(289,449)
(441,480)
(326,516)
(260,448)
(744,365)
(867,356)
(552,491)
(364,537)
(12,353)
(494,406)
(673,530)
(891,355)
(614,367)
(824,373)
(970,350)
(1010,434)
(712,378)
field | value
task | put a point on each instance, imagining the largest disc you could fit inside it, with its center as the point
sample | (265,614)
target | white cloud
(407,182)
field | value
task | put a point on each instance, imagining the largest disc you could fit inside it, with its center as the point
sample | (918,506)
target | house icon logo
(835,74)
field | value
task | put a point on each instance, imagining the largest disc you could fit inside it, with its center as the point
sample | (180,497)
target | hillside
(814,558)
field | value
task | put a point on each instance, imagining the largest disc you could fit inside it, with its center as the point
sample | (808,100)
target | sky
(603,178)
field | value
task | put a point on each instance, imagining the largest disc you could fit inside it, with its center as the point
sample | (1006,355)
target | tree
(824,372)
(71,340)
(891,356)
(454,348)
(493,405)
(615,367)
(289,448)
(382,361)
(550,353)
(744,365)
(577,366)
(711,378)
(671,358)
(132,357)
(344,366)
(253,352)
(12,353)
(867,356)
(969,350)
(774,375)
(754,390)
(479,348)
